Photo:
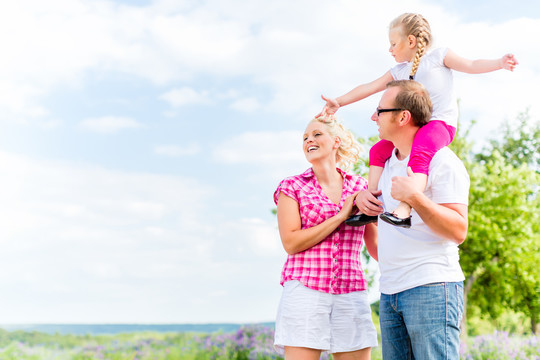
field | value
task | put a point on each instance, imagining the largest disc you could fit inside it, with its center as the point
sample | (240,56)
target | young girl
(410,38)
(324,305)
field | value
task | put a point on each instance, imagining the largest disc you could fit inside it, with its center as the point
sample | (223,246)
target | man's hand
(404,187)
(368,204)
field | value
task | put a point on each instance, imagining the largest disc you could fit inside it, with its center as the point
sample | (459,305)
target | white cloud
(177,151)
(263,238)
(17,102)
(185,96)
(101,245)
(109,124)
(273,44)
(77,235)
(262,148)
(45,193)
(246,105)
(270,156)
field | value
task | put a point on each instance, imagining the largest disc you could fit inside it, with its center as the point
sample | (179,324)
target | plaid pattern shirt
(333,265)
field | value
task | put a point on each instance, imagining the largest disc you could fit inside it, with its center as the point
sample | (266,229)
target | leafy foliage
(502,244)
(519,143)
(500,256)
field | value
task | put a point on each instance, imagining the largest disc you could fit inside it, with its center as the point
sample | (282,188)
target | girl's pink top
(333,265)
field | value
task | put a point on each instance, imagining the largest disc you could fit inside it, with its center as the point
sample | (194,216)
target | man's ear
(405,118)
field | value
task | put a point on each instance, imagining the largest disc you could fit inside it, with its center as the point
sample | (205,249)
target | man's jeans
(422,322)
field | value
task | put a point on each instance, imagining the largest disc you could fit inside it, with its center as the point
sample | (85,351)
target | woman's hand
(349,208)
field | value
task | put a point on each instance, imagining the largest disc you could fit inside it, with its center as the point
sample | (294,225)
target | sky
(141,141)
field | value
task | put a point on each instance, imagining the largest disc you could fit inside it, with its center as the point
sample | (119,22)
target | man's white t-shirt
(416,256)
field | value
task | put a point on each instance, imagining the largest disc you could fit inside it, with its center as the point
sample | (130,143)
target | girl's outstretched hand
(330,108)
(509,62)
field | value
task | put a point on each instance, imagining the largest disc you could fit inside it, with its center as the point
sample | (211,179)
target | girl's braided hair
(418,26)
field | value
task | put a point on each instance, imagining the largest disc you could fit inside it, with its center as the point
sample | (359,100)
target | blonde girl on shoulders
(410,41)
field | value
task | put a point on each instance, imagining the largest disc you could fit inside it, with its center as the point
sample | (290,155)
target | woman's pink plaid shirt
(333,265)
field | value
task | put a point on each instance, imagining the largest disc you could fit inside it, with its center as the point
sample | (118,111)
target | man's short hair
(413,97)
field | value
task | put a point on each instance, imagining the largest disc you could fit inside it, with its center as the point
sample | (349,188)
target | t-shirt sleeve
(286,187)
(438,56)
(398,70)
(450,181)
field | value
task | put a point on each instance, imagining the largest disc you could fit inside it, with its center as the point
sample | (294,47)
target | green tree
(518,142)
(500,256)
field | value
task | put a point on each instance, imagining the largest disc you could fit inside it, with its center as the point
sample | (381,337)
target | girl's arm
(358,93)
(371,237)
(294,238)
(458,63)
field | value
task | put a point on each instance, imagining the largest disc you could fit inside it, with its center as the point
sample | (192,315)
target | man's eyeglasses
(379,111)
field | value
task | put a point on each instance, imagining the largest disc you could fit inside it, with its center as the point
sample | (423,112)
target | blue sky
(141,141)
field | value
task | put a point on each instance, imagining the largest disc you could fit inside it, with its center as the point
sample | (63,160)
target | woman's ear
(337,142)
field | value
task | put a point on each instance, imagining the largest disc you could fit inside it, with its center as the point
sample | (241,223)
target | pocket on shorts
(291,285)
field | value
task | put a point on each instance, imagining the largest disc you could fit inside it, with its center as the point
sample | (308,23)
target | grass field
(248,343)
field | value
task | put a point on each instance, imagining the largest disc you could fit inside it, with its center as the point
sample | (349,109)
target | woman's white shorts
(329,322)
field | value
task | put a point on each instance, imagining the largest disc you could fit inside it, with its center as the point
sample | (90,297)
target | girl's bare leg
(403,210)
(374,175)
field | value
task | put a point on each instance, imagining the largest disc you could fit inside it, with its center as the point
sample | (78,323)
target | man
(421,280)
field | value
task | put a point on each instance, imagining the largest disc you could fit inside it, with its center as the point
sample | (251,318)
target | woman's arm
(458,63)
(294,238)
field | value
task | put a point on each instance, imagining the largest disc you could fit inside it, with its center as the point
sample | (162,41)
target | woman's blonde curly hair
(349,150)
(418,26)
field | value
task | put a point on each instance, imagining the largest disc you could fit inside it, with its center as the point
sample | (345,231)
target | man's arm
(446,220)
(371,237)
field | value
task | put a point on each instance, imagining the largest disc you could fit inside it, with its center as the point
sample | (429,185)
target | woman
(324,306)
